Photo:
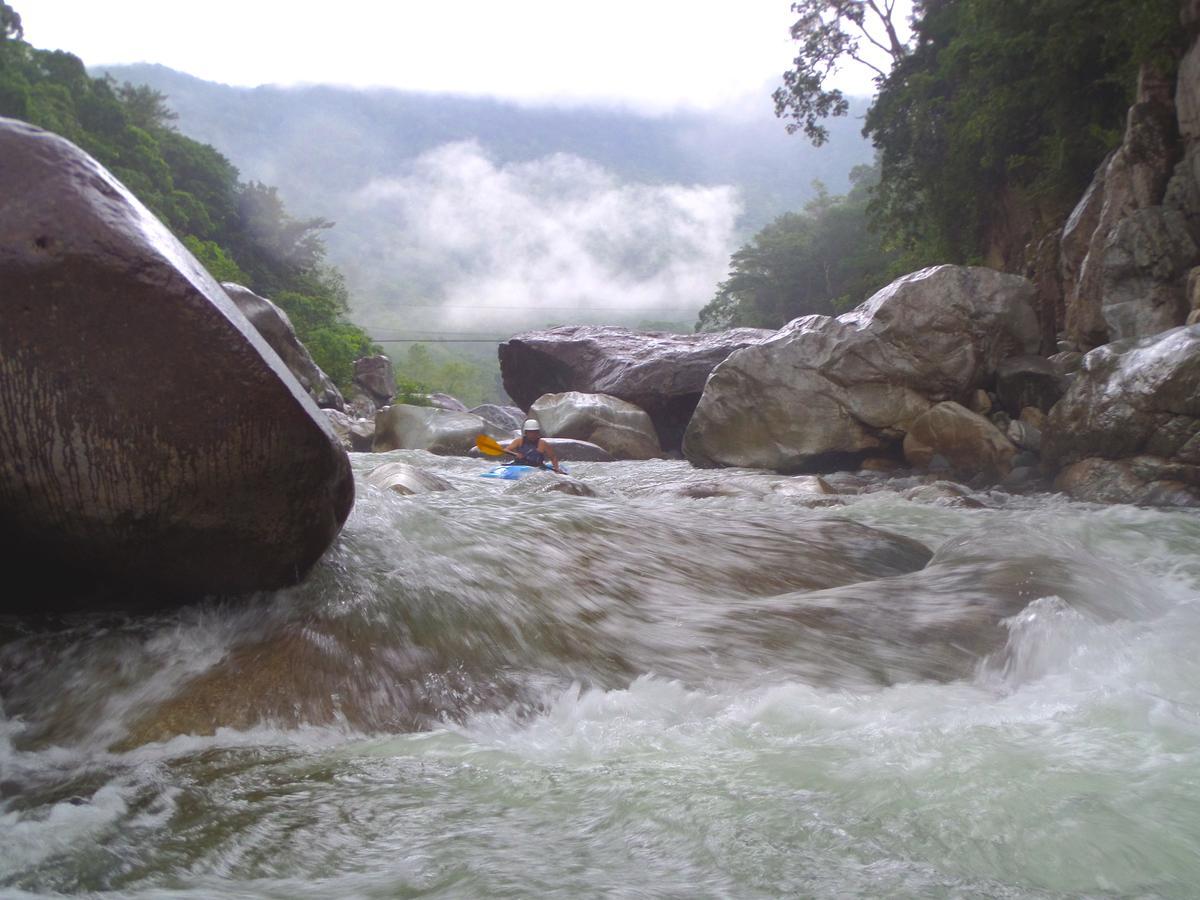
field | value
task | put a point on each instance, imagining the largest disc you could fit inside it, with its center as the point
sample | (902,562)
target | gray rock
(1139,396)
(1066,361)
(1025,435)
(618,426)
(441,431)
(824,393)
(377,378)
(154,446)
(505,418)
(276,328)
(661,373)
(569,450)
(1098,480)
(357,435)
(360,405)
(1023,381)
(445,401)
(1143,276)
(1132,179)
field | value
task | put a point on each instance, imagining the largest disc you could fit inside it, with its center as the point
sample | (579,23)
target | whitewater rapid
(693,684)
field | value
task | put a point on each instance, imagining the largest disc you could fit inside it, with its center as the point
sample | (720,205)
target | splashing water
(701,684)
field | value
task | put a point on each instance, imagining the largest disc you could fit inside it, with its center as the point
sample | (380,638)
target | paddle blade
(489,446)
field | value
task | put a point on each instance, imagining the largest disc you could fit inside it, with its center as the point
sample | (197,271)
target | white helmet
(531,425)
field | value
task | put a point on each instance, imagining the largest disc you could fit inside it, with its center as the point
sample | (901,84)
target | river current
(693,684)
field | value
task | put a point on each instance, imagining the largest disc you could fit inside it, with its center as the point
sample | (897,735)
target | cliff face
(1127,259)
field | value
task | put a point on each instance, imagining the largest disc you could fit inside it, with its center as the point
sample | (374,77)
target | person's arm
(515,444)
(545,447)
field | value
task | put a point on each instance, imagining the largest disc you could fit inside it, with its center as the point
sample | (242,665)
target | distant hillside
(450,200)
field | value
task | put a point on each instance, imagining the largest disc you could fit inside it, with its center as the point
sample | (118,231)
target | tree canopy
(995,110)
(824,260)
(240,231)
(831,33)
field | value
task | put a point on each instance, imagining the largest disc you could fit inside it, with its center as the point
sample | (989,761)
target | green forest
(988,124)
(240,231)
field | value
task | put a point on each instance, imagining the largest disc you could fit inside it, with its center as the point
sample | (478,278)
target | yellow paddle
(492,447)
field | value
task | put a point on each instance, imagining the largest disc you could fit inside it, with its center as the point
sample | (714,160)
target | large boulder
(969,443)
(621,428)
(376,378)
(440,431)
(276,328)
(661,373)
(1138,397)
(824,392)
(152,445)
(505,418)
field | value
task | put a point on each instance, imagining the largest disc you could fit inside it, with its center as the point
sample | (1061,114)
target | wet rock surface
(1139,396)
(621,428)
(661,373)
(441,431)
(149,438)
(824,393)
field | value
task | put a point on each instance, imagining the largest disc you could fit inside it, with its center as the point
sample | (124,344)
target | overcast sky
(652,55)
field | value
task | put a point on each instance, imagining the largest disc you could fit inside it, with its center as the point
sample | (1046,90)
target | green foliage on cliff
(825,260)
(1008,102)
(240,232)
(992,119)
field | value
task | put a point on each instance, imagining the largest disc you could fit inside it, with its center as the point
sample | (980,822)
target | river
(693,684)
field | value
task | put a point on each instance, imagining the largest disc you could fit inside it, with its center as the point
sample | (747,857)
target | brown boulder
(152,445)
(970,443)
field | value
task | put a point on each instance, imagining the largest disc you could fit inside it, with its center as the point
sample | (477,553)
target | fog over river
(693,684)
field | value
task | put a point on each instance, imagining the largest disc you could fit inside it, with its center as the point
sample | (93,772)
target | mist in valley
(461,221)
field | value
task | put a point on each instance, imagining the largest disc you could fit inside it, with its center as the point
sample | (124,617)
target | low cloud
(560,232)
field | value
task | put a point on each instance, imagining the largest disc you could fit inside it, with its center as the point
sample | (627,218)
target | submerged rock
(152,444)
(660,373)
(404,479)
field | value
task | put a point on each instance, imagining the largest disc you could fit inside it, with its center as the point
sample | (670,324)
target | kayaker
(532,449)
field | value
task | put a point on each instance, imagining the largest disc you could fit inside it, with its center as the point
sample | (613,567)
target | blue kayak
(513,472)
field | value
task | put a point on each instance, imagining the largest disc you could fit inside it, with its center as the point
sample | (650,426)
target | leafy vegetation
(993,118)
(422,369)
(240,232)
(824,260)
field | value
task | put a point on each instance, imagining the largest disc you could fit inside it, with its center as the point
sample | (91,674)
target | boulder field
(153,446)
